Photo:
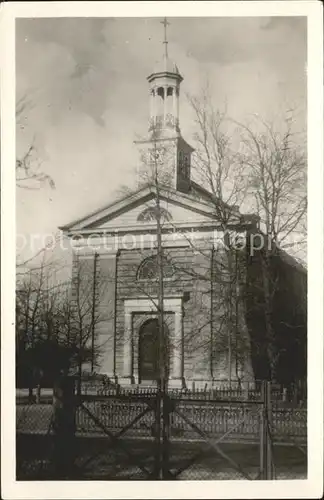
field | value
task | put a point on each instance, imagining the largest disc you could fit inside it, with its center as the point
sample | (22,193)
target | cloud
(86,78)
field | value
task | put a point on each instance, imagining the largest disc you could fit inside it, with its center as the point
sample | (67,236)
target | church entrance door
(148,353)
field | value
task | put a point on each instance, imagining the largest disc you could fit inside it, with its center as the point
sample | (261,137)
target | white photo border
(308,488)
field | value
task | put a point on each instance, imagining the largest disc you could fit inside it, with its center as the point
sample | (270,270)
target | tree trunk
(229,302)
(270,335)
(64,428)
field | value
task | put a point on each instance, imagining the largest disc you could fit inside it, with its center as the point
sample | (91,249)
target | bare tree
(264,171)
(39,259)
(156,164)
(216,274)
(29,174)
(88,314)
(37,304)
(219,168)
(274,161)
(57,322)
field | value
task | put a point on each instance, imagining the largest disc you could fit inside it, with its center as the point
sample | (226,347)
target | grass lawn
(107,462)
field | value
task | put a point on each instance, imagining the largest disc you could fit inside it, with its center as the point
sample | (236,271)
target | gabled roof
(203,204)
(292,261)
(282,254)
(197,189)
(106,209)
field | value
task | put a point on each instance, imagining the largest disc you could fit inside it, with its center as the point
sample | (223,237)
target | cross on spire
(165,41)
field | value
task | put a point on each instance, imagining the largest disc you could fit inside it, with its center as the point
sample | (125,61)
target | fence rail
(213,416)
(294,396)
(128,427)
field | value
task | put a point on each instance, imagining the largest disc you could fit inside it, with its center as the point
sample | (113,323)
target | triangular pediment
(126,212)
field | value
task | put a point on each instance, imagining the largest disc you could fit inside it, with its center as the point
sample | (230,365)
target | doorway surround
(171,304)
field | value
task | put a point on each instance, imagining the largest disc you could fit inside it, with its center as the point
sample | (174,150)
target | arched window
(159,103)
(160,92)
(150,214)
(169,105)
(149,269)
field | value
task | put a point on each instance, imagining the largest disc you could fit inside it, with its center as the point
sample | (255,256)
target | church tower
(164,147)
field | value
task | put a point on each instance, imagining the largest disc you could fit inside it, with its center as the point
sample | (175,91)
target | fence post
(269,431)
(284,394)
(157,436)
(64,427)
(167,408)
(38,393)
(263,431)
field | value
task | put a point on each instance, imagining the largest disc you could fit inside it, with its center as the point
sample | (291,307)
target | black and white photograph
(161,314)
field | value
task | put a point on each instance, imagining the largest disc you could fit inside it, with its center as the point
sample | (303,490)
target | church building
(116,259)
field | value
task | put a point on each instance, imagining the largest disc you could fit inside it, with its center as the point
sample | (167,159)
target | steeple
(165,41)
(164,94)
(164,147)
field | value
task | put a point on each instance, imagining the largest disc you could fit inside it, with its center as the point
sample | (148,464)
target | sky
(84,80)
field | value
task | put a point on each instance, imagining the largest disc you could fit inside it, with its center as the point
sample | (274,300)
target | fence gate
(123,442)
(207,438)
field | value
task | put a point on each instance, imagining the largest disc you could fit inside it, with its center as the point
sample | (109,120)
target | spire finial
(165,41)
